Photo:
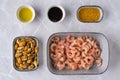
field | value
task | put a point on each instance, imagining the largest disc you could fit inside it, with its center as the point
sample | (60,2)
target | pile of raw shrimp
(75,52)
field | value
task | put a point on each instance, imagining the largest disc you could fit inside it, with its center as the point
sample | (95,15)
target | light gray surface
(42,28)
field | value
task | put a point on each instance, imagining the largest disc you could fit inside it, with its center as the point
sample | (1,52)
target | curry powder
(89,14)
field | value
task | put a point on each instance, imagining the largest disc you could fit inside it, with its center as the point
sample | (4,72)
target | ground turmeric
(89,14)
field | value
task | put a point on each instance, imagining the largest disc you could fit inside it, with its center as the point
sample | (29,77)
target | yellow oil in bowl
(25,14)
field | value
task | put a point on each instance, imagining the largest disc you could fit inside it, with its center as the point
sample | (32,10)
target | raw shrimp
(99,62)
(78,53)
(84,37)
(89,59)
(75,52)
(55,39)
(98,51)
(95,44)
(61,51)
(80,40)
(54,57)
(77,59)
(91,52)
(83,54)
(60,65)
(62,42)
(72,47)
(68,60)
(75,42)
(85,65)
(62,59)
(53,47)
(73,66)
(70,55)
(80,65)
(70,38)
(86,48)
(89,40)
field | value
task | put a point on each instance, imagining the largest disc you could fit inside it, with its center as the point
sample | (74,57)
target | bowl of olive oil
(26,14)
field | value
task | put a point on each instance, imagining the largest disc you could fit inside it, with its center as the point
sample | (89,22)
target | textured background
(42,28)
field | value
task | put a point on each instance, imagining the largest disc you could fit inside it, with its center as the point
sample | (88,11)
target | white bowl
(63,11)
(26,6)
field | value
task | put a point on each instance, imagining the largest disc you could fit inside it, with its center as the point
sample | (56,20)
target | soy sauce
(55,14)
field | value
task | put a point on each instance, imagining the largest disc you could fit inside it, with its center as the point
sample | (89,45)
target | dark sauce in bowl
(55,14)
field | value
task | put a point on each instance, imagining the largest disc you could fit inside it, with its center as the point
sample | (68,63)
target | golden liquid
(25,14)
(89,14)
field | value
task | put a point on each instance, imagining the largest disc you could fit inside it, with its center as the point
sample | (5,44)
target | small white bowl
(63,12)
(26,6)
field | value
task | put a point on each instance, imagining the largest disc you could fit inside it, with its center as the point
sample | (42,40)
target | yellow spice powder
(89,14)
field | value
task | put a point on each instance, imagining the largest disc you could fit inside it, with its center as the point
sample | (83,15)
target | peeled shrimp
(54,57)
(60,65)
(62,59)
(99,62)
(77,59)
(70,55)
(89,59)
(53,47)
(80,65)
(85,65)
(75,52)
(79,42)
(73,66)
(70,38)
(86,48)
(55,39)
